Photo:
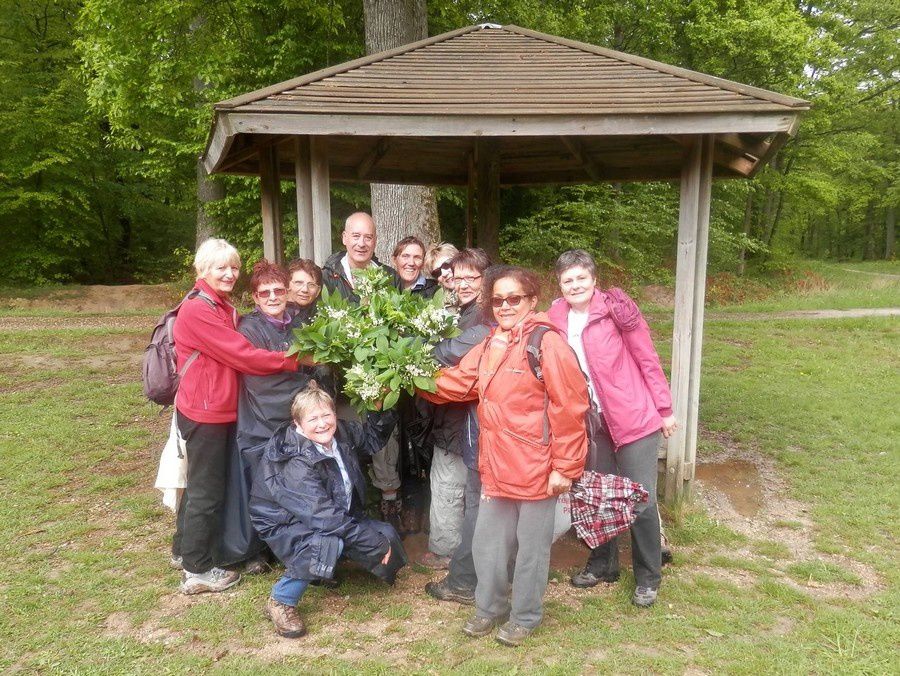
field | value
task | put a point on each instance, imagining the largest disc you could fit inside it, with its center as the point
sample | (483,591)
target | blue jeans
(288,590)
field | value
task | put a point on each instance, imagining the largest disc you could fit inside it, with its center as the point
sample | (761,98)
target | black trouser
(636,461)
(462,566)
(200,513)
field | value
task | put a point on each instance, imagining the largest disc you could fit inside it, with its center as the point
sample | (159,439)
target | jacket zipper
(599,390)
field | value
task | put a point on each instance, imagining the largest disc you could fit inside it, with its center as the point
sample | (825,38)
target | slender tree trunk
(746,225)
(869,241)
(209,189)
(399,210)
(890,223)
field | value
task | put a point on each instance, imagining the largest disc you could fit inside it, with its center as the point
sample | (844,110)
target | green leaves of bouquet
(383,344)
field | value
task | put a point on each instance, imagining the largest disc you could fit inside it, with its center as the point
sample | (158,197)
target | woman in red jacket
(210,354)
(631,408)
(532,445)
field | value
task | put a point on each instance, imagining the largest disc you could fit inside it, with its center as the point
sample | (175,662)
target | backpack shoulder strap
(533,351)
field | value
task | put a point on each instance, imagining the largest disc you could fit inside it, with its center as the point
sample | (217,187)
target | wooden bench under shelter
(490,106)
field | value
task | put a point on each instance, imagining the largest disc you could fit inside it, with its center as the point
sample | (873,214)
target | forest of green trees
(105,109)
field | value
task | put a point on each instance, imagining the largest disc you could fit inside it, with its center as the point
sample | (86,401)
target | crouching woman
(307,503)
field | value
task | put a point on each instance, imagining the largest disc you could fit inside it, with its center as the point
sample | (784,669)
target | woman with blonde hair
(210,355)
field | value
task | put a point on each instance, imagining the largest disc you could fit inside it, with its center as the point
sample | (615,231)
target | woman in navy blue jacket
(308,498)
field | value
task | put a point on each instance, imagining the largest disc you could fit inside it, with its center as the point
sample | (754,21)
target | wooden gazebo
(490,106)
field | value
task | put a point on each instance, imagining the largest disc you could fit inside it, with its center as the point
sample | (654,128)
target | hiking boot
(513,634)
(442,591)
(176,562)
(285,618)
(477,626)
(588,578)
(644,597)
(390,513)
(434,561)
(213,580)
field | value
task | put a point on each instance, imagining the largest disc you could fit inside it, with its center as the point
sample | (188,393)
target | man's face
(359,240)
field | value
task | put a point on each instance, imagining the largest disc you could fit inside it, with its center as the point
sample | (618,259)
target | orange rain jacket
(518,445)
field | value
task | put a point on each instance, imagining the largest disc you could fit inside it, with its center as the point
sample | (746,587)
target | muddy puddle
(738,480)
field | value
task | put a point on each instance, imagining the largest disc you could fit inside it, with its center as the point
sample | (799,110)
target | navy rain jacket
(298,502)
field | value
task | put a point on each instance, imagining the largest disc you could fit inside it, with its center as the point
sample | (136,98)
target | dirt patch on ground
(99,298)
(743,490)
(663,296)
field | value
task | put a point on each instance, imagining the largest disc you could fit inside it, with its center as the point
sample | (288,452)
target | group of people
(524,402)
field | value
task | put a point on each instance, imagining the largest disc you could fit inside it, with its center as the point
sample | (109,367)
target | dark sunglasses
(441,269)
(512,301)
(278,293)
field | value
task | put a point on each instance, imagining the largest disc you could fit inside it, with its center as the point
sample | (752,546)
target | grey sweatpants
(523,528)
(448,493)
(637,461)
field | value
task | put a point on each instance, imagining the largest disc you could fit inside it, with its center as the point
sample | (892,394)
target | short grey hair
(575,258)
(212,252)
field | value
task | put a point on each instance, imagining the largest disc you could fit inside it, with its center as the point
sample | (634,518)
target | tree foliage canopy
(107,108)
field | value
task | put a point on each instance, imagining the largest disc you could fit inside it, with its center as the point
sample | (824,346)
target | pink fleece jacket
(624,366)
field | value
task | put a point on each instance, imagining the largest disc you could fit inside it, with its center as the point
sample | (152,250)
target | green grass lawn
(84,585)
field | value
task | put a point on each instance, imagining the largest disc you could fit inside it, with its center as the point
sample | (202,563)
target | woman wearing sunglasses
(437,264)
(264,402)
(532,445)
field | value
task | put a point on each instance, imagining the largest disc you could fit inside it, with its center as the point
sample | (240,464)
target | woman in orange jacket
(532,445)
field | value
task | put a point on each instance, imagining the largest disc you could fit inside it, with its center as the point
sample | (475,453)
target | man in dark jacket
(359,238)
(307,503)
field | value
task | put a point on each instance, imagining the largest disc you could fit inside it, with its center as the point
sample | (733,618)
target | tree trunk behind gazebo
(399,210)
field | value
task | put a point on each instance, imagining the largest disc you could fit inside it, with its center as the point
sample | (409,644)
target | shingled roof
(569,111)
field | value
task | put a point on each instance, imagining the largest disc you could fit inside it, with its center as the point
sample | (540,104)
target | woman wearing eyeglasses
(283,303)
(532,445)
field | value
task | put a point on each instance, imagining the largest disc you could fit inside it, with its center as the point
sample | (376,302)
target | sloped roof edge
(259,94)
(661,67)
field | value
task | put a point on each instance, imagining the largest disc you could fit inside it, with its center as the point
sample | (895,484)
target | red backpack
(160,373)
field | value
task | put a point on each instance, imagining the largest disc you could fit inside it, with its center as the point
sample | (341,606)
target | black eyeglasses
(468,279)
(512,301)
(441,269)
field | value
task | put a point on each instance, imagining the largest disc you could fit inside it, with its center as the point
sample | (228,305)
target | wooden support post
(270,194)
(488,195)
(305,229)
(470,200)
(690,292)
(321,198)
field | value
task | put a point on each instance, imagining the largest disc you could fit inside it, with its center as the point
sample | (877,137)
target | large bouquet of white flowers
(383,344)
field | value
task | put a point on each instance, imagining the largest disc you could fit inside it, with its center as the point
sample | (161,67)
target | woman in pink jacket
(631,408)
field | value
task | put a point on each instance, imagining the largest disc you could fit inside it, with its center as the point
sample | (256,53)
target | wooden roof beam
(372,158)
(593,168)
(743,144)
(252,150)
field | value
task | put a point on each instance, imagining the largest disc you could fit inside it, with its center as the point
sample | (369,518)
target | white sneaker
(213,580)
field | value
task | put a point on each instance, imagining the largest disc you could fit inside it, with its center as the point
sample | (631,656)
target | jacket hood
(559,310)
